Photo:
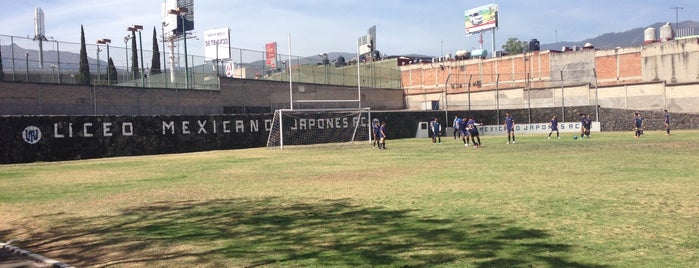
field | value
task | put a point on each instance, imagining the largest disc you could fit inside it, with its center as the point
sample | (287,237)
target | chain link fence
(50,61)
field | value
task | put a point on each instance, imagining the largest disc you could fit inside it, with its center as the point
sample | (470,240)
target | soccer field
(608,201)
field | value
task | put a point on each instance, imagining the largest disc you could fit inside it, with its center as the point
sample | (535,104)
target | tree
(84,73)
(155,62)
(134,56)
(514,46)
(112,71)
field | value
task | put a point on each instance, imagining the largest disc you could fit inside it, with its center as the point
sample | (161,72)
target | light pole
(106,41)
(126,50)
(182,11)
(26,63)
(98,64)
(138,28)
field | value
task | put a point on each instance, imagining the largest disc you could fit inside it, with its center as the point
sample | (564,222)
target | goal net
(306,127)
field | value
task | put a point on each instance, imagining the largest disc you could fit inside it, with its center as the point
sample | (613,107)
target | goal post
(319,126)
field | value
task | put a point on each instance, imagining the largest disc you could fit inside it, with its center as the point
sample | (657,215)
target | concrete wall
(682,98)
(235,96)
(674,62)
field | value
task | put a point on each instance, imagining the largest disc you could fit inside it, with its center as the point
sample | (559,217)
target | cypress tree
(84,74)
(155,62)
(112,71)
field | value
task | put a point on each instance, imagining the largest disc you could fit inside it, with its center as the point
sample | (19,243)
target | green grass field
(611,201)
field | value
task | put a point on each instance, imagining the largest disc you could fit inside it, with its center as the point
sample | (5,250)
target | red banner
(271,55)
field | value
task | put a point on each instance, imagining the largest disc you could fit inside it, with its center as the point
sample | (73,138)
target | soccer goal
(311,126)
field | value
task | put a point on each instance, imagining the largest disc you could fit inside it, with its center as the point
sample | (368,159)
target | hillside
(633,37)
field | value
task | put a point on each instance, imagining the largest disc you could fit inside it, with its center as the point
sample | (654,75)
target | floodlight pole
(143,70)
(133,29)
(182,11)
(105,41)
(126,51)
(98,63)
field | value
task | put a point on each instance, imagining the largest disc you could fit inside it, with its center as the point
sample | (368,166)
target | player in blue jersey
(382,136)
(463,130)
(554,127)
(473,129)
(510,127)
(638,125)
(667,123)
(455,125)
(586,126)
(436,131)
(376,126)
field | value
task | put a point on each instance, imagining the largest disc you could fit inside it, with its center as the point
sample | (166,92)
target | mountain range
(629,38)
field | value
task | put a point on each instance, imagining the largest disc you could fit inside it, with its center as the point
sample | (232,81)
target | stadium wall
(59,138)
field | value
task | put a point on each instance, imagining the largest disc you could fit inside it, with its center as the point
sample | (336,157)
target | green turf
(610,201)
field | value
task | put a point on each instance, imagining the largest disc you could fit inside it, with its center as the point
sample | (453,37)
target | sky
(431,28)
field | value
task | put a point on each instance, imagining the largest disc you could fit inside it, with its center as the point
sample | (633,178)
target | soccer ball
(575,137)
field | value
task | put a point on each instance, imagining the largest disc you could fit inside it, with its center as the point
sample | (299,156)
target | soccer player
(455,124)
(382,136)
(463,130)
(436,131)
(638,125)
(375,130)
(473,129)
(554,127)
(509,127)
(586,125)
(667,123)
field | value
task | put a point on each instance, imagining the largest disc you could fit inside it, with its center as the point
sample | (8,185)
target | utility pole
(677,16)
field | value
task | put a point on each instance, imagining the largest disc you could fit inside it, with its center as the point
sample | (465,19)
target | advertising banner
(271,55)
(481,18)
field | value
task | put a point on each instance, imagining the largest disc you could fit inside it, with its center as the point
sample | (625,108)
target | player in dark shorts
(510,127)
(586,125)
(667,123)
(473,130)
(456,124)
(382,136)
(436,131)
(375,130)
(638,125)
(554,127)
(463,130)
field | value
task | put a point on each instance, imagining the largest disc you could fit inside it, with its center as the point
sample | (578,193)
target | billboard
(271,55)
(217,44)
(172,23)
(39,26)
(481,18)
(367,43)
